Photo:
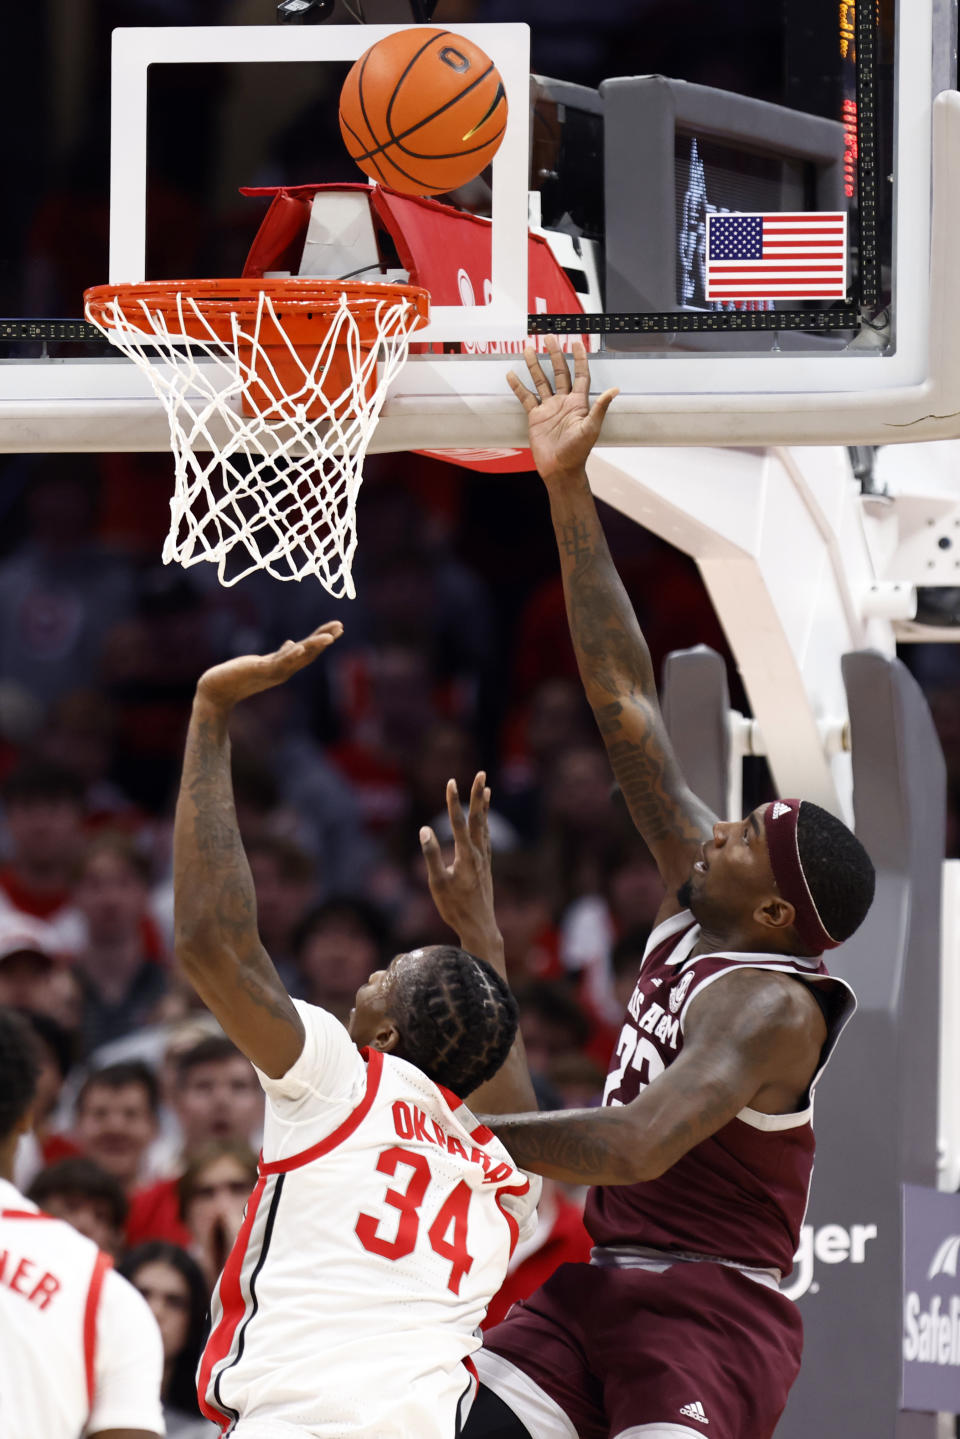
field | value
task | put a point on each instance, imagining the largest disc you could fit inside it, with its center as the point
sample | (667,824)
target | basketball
(423,111)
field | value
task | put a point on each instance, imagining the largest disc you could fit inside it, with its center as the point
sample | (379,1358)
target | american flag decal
(777,257)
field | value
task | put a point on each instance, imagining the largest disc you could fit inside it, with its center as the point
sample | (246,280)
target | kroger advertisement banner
(931,1300)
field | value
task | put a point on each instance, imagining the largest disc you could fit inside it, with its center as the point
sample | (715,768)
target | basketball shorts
(603,1352)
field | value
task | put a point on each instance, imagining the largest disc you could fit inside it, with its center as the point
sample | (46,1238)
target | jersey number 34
(447,1234)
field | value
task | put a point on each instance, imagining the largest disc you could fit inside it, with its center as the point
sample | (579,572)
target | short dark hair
(213,1049)
(292,860)
(38,780)
(838,870)
(456,1016)
(123,848)
(118,1076)
(60,1042)
(206,1155)
(19,1069)
(84,1178)
(182,1390)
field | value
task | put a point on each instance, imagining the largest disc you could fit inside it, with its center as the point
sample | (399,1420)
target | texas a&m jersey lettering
(647,1041)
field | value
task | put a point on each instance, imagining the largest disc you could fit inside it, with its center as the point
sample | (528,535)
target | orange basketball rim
(280,330)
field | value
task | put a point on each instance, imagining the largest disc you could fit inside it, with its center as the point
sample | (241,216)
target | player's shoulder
(45,1230)
(751,997)
(124,1305)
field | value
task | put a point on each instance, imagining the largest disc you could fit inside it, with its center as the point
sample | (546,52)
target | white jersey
(380,1227)
(80,1352)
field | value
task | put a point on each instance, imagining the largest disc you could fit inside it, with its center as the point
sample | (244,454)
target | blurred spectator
(317,807)
(285,880)
(256,794)
(43,810)
(86,1196)
(578,1079)
(150,666)
(530,938)
(405,891)
(60,591)
(395,707)
(212,1193)
(121,959)
(551,1022)
(582,828)
(175,1289)
(633,888)
(342,942)
(446,751)
(160,1046)
(625,962)
(556,719)
(28,963)
(44,1145)
(503,836)
(21,716)
(79,735)
(217,1097)
(116,1119)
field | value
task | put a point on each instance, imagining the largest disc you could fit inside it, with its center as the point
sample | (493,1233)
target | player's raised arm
(463,894)
(612,654)
(215,910)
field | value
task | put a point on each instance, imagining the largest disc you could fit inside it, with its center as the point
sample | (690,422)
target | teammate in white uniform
(384,1216)
(80,1352)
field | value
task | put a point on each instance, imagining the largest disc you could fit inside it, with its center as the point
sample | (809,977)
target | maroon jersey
(741,1194)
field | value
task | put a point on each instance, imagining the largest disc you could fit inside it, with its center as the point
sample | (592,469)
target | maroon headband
(780,822)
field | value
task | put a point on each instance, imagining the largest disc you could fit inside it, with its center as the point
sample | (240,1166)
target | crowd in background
(455,656)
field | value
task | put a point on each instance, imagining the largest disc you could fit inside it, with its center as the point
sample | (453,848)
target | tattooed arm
(612,655)
(753,1040)
(215,911)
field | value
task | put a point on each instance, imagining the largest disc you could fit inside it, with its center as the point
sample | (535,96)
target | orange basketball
(423,111)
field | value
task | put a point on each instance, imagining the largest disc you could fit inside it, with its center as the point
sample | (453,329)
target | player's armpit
(759,1034)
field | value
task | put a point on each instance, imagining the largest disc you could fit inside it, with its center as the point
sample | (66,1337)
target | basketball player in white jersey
(80,1352)
(384,1215)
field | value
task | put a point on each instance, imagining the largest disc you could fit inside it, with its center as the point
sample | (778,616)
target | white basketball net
(276,490)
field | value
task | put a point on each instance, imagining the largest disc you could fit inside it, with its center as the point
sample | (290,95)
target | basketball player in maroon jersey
(702,1153)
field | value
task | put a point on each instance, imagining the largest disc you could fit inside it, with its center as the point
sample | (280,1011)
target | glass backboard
(636,136)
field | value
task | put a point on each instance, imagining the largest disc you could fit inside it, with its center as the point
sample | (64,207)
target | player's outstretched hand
(463,890)
(563,425)
(227,684)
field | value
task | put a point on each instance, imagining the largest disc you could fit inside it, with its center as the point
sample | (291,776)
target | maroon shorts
(617,1348)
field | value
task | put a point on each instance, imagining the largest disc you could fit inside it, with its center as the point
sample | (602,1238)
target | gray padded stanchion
(696,702)
(876,1109)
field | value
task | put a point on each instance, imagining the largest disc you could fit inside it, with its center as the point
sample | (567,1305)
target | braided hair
(456,1017)
(19,1070)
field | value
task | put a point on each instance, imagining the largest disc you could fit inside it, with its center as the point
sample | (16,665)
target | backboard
(631,135)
